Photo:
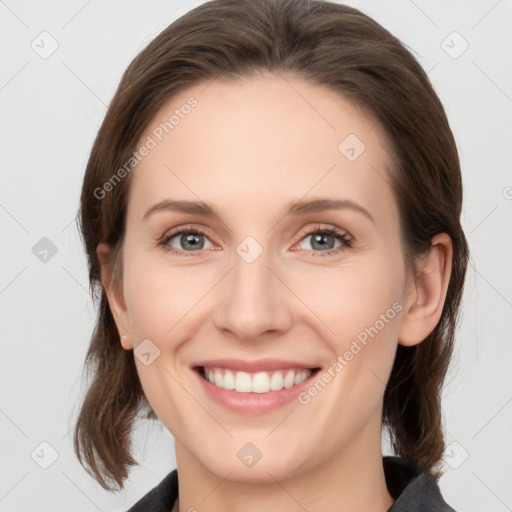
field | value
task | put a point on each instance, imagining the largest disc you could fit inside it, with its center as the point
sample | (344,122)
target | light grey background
(51,109)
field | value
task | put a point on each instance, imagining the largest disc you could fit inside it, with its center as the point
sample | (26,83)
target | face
(296,307)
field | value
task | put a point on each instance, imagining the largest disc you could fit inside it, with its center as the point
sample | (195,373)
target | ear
(425,300)
(114,291)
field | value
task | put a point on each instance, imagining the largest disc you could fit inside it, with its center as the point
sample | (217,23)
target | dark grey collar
(412,491)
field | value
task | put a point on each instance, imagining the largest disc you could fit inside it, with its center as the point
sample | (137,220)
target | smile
(253,387)
(260,382)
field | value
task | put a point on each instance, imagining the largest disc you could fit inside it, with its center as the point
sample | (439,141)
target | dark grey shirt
(412,491)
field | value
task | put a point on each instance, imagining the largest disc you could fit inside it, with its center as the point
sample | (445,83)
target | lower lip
(253,403)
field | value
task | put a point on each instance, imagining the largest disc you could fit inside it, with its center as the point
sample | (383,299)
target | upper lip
(260,365)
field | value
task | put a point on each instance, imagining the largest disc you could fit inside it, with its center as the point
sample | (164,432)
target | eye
(325,238)
(190,240)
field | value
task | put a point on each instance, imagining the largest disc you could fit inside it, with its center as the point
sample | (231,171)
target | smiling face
(273,303)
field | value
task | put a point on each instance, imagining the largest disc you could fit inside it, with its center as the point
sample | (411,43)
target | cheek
(361,307)
(349,299)
(343,302)
(158,297)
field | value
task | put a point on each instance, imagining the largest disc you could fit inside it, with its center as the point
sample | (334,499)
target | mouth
(259,382)
(253,387)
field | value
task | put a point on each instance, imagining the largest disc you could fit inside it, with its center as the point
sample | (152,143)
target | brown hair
(327,44)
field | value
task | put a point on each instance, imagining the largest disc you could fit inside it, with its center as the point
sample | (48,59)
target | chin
(256,465)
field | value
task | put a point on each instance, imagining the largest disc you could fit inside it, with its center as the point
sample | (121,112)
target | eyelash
(346,241)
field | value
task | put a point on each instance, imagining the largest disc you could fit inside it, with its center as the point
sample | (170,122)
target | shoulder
(161,498)
(412,490)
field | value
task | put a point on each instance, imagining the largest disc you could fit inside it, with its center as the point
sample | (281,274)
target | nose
(254,303)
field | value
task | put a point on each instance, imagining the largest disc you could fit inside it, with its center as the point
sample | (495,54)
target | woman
(271,213)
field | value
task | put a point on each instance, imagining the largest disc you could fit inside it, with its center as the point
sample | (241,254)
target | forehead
(267,138)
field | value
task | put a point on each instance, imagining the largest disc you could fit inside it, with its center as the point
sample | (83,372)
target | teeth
(276,381)
(289,379)
(229,380)
(261,382)
(217,378)
(242,382)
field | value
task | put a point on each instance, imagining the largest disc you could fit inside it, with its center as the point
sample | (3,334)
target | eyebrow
(301,207)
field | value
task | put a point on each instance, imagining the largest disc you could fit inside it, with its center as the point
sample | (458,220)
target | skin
(248,148)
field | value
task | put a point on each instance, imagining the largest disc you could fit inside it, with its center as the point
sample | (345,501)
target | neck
(352,479)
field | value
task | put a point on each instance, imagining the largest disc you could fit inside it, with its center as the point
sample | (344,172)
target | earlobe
(114,294)
(424,302)
(126,342)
